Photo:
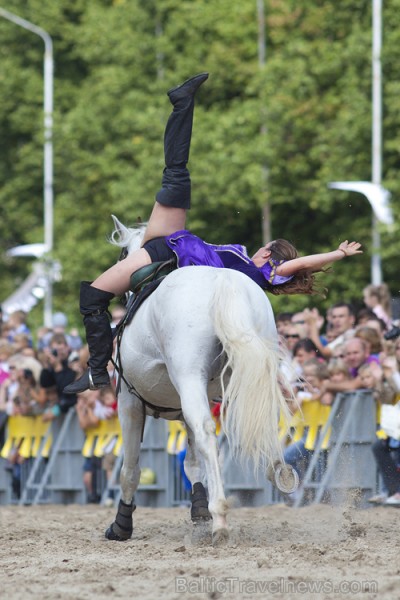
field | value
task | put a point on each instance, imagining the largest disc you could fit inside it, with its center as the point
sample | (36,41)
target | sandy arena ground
(59,552)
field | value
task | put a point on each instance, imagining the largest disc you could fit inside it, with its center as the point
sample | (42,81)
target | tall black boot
(93,306)
(176,186)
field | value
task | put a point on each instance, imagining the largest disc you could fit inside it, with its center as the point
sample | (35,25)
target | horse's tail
(253,401)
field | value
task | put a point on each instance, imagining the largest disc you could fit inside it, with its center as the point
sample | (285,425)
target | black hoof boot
(87,382)
(187,88)
(199,510)
(122,528)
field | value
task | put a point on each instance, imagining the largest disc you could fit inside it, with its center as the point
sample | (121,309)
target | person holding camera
(57,374)
(26,399)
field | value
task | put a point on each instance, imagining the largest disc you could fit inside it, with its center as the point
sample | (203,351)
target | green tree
(114,61)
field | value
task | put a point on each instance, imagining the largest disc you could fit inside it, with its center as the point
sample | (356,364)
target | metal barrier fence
(54,474)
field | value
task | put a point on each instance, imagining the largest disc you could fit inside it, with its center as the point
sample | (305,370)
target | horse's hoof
(111,535)
(286,479)
(220,537)
(201,534)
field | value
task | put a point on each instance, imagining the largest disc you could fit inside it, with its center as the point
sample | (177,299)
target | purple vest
(191,250)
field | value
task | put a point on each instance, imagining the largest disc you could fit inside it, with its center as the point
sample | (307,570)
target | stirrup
(86,382)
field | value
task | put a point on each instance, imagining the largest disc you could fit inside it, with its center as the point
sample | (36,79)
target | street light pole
(48,150)
(266,209)
(376,267)
(377,195)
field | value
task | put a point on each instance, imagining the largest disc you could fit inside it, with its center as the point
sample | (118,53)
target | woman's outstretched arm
(315,262)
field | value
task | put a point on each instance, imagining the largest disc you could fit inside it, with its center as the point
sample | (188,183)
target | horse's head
(128,239)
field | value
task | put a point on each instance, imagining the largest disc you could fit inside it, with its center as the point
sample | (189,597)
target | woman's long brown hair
(304,282)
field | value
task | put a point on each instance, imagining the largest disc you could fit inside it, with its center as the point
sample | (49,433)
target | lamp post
(377,195)
(266,209)
(376,166)
(48,150)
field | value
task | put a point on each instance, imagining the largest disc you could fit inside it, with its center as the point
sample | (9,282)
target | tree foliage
(114,61)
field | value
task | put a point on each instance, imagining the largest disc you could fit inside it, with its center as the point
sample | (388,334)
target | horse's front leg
(194,470)
(131,418)
(197,415)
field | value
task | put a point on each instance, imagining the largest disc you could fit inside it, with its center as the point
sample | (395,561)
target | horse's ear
(118,225)
(120,233)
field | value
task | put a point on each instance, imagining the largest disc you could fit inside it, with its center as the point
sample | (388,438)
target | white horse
(204,332)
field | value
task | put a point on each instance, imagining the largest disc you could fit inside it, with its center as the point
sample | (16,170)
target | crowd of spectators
(34,369)
(343,351)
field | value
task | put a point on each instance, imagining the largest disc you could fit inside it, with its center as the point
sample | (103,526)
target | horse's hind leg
(131,418)
(198,417)
(194,472)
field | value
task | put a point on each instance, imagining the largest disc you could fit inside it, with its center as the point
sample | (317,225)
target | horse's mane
(127,237)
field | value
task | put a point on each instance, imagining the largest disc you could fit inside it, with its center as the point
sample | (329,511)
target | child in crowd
(85,409)
(8,387)
(6,351)
(15,325)
(303,351)
(108,400)
(92,407)
(26,397)
(315,373)
(372,337)
(379,300)
(51,407)
(338,370)
(373,378)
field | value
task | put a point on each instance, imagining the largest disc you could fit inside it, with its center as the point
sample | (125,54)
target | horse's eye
(124,254)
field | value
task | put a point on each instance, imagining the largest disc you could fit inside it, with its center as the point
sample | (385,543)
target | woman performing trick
(276,266)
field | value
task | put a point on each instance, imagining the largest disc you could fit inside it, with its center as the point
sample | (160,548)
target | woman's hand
(349,249)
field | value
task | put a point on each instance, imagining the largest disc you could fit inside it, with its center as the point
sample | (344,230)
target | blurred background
(288,108)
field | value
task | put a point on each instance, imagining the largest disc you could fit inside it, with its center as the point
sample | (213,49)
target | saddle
(143,282)
(156,271)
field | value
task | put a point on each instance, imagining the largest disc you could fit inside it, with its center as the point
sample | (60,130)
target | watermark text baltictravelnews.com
(212,585)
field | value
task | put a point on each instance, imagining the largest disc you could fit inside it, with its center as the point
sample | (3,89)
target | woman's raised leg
(173,199)
(169,214)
